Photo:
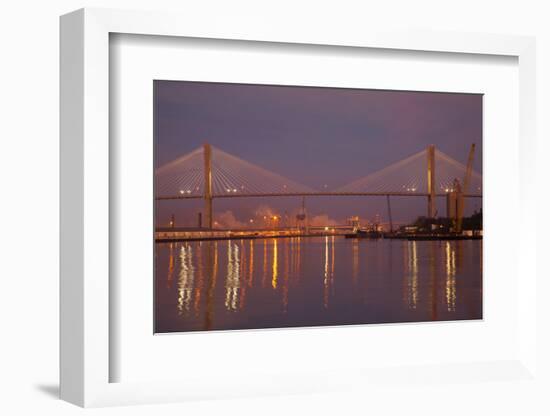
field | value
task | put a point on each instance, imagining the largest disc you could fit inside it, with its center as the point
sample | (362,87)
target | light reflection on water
(232,280)
(412,274)
(186,279)
(275,264)
(314,281)
(450,283)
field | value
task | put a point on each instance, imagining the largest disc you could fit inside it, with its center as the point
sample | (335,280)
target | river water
(311,281)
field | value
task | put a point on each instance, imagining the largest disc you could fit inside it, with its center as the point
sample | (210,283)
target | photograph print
(292,206)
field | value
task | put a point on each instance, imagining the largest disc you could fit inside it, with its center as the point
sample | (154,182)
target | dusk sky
(314,136)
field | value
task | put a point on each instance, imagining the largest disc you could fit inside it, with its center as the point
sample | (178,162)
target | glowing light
(228,190)
(234,190)
(182,191)
(326,228)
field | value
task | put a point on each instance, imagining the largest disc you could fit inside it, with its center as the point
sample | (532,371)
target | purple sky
(314,136)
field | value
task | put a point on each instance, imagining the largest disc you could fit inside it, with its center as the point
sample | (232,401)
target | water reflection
(251,264)
(297,251)
(243,279)
(355,261)
(186,279)
(450,283)
(275,265)
(328,277)
(433,279)
(171,264)
(286,276)
(232,279)
(306,287)
(411,260)
(332,258)
(200,280)
(212,272)
(264,274)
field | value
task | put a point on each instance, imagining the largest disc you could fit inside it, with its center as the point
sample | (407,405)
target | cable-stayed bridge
(187,176)
(209,173)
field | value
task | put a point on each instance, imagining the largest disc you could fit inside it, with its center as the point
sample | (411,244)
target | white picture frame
(85,165)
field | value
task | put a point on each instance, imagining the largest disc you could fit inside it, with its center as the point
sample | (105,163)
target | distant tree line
(444,225)
(473,222)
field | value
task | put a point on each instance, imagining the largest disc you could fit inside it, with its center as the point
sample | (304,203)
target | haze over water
(301,281)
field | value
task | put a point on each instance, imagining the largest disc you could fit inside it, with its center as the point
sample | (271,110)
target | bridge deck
(242,195)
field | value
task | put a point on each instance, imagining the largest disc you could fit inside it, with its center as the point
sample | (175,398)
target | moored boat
(364,234)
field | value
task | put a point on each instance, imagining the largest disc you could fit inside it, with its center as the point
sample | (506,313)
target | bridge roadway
(242,195)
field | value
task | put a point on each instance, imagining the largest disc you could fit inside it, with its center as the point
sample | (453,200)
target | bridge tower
(430,151)
(208,185)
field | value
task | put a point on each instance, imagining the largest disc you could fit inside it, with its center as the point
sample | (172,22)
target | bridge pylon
(207,150)
(430,151)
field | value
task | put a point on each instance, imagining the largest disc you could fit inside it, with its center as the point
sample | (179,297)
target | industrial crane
(465,185)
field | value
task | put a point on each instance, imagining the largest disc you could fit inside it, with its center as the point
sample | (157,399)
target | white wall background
(29,196)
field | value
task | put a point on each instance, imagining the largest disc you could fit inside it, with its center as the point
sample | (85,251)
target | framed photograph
(349,238)
(245,213)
